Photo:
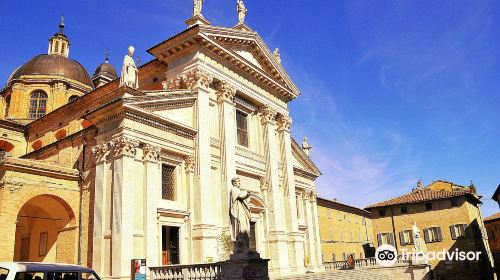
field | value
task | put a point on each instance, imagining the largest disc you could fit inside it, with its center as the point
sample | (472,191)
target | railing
(209,271)
(368,262)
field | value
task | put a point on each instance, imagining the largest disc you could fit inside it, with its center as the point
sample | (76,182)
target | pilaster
(152,187)
(311,235)
(319,261)
(189,168)
(277,229)
(204,228)
(225,99)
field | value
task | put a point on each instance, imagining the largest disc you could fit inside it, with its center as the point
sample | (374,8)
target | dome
(106,70)
(50,64)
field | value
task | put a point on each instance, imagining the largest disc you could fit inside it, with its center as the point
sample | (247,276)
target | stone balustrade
(209,271)
(368,262)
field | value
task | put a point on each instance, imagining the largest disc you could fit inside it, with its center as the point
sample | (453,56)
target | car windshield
(90,276)
(3,273)
(29,275)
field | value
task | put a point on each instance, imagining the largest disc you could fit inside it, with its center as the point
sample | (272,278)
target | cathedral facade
(97,174)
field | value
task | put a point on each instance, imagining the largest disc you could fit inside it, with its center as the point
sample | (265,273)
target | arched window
(38,104)
(72,98)
(57,47)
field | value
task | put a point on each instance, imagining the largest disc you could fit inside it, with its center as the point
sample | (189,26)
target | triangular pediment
(244,49)
(302,162)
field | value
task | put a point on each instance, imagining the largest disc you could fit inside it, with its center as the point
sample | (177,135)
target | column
(124,152)
(204,229)
(278,240)
(99,152)
(310,238)
(152,187)
(297,257)
(319,259)
(227,120)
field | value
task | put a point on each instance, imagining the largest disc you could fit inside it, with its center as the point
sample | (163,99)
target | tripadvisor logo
(386,255)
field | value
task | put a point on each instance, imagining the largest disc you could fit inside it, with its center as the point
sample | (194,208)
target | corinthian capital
(124,146)
(197,78)
(99,152)
(189,163)
(173,83)
(267,115)
(151,153)
(284,123)
(225,92)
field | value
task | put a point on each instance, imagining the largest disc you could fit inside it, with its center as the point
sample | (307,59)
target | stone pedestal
(245,266)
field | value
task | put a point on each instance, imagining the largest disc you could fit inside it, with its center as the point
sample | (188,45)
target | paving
(361,274)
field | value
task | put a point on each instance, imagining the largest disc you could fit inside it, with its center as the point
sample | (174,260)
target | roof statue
(129,76)
(197,7)
(306,147)
(277,55)
(242,11)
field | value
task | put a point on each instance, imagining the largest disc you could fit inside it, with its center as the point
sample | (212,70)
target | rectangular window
(432,234)
(167,182)
(29,276)
(62,275)
(454,202)
(386,238)
(404,210)
(428,206)
(242,128)
(381,212)
(406,237)
(457,231)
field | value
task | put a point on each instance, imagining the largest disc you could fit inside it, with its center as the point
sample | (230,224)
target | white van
(45,271)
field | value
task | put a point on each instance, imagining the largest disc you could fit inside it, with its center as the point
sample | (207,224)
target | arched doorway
(45,231)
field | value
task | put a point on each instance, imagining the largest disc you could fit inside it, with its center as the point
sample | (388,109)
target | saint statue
(242,12)
(416,237)
(239,215)
(198,6)
(306,147)
(130,74)
(277,55)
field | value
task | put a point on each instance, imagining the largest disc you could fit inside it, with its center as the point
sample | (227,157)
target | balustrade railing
(209,271)
(368,262)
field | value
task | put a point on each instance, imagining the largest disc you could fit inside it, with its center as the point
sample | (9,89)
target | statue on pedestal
(198,6)
(306,147)
(129,76)
(418,245)
(239,215)
(242,12)
(277,55)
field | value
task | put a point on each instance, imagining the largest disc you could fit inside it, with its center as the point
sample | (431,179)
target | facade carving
(267,115)
(225,92)
(124,146)
(151,152)
(284,123)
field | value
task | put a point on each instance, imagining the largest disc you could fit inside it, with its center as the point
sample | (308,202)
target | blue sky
(392,91)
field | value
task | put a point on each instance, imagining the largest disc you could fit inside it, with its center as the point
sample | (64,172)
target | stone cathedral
(98,173)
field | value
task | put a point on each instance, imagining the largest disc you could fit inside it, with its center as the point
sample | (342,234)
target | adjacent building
(449,217)
(344,230)
(492,224)
(97,174)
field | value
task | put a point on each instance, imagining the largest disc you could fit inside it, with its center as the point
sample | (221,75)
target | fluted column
(152,186)
(279,264)
(189,164)
(204,228)
(311,236)
(227,124)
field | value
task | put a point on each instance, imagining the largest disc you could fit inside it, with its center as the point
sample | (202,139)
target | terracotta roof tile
(492,217)
(423,195)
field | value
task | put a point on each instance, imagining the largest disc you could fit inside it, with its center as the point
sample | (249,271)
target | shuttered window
(242,128)
(167,182)
(458,231)
(386,238)
(432,234)
(406,237)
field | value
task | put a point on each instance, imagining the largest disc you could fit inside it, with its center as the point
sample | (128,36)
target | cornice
(39,168)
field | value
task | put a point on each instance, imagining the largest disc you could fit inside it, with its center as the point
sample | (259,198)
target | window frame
(172,171)
(38,104)
(453,205)
(242,132)
(429,208)
(405,209)
(382,213)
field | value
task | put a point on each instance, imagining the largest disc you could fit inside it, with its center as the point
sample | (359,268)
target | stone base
(197,20)
(245,266)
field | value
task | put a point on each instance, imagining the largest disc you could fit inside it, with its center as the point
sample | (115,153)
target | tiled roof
(336,205)
(492,217)
(424,195)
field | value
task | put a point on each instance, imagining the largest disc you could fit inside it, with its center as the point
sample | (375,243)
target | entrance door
(25,249)
(169,245)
